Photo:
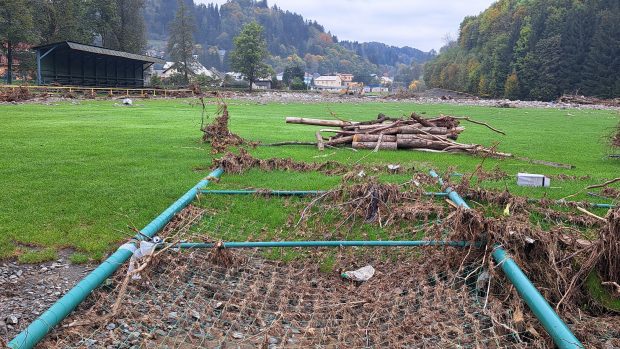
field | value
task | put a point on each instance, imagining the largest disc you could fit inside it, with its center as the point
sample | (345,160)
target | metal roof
(327,78)
(103,51)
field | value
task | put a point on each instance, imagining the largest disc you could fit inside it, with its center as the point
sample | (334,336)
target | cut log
(431,137)
(360,137)
(371,127)
(410,143)
(340,140)
(373,145)
(421,120)
(432,130)
(319,122)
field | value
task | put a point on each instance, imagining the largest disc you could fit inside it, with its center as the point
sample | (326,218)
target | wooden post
(319,141)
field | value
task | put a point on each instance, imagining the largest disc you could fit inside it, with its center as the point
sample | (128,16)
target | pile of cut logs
(414,132)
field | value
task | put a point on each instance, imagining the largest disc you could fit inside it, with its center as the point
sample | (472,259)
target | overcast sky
(417,23)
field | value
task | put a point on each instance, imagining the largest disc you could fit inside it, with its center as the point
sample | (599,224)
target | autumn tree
(248,56)
(181,40)
(535,49)
(16,26)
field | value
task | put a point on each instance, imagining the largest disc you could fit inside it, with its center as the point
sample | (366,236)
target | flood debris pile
(615,137)
(433,297)
(15,94)
(242,161)
(414,132)
(218,134)
(430,297)
(583,100)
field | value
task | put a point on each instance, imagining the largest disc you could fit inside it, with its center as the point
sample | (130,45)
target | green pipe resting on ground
(350,243)
(265,192)
(35,332)
(436,176)
(284,192)
(562,336)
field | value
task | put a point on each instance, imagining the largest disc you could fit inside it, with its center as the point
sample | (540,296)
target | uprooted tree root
(615,137)
(218,134)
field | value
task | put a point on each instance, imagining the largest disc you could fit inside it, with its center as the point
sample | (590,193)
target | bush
(176,80)
(155,81)
(206,81)
(297,84)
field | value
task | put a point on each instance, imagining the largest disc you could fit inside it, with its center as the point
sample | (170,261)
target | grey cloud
(417,23)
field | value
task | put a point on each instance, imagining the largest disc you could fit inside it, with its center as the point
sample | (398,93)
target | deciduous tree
(248,56)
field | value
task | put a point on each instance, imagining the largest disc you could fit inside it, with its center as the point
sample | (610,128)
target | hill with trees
(534,49)
(289,38)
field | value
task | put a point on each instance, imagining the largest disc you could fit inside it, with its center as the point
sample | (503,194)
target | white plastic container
(532,180)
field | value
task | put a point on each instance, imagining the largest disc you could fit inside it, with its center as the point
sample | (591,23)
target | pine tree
(16,26)
(181,39)
(121,25)
(132,36)
(59,20)
(602,68)
(250,52)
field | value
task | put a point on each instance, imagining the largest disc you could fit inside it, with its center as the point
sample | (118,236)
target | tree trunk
(185,68)
(409,143)
(373,145)
(340,140)
(360,137)
(317,122)
(9,60)
(432,130)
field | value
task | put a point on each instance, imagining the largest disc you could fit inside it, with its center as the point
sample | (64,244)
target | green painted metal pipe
(557,329)
(345,243)
(438,194)
(285,192)
(435,175)
(562,336)
(267,192)
(64,306)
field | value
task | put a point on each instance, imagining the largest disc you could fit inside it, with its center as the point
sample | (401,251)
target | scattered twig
(604,184)
(467,118)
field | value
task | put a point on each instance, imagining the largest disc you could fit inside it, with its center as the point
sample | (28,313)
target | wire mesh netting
(296,298)
(186,300)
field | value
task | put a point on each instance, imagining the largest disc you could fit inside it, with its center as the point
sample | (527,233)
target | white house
(170,68)
(386,81)
(328,82)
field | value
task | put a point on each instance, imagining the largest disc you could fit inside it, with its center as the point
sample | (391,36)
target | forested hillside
(288,34)
(534,49)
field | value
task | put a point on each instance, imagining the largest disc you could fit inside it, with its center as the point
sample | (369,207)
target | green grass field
(76,175)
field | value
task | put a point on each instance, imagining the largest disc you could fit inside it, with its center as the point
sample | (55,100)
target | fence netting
(425,297)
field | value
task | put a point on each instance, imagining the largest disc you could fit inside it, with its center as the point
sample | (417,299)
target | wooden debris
(574,99)
(414,132)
